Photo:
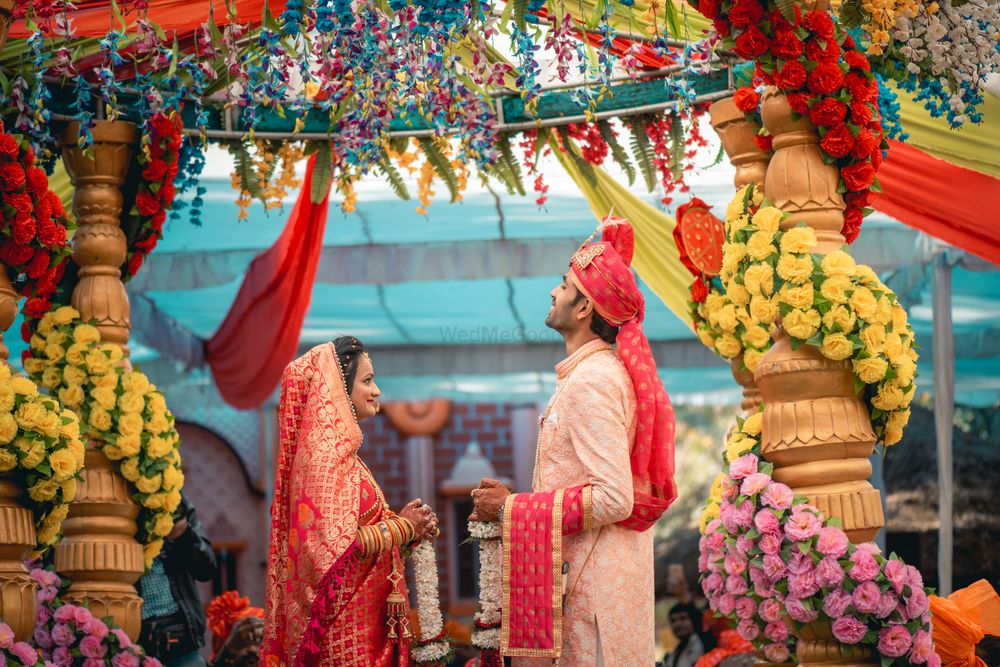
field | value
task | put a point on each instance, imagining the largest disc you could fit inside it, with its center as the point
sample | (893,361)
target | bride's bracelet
(384,535)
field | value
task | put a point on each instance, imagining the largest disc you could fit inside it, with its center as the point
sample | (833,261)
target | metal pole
(944,408)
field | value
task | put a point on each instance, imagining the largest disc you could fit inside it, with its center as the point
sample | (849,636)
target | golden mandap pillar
(816,430)
(99,552)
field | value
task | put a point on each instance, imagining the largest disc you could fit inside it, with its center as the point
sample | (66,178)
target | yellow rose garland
(40,448)
(122,413)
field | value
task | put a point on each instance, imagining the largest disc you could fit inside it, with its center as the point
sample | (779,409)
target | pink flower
(800,562)
(755,483)
(24,652)
(715,540)
(894,640)
(771,611)
(866,598)
(46,594)
(745,608)
(836,603)
(766,522)
(730,488)
(917,604)
(913,578)
(757,576)
(151,662)
(45,577)
(869,548)
(65,613)
(62,657)
(832,542)
(702,559)
(43,639)
(895,572)
(802,584)
(802,525)
(743,516)
(727,603)
(776,631)
(96,627)
(776,652)
(744,466)
(865,566)
(934,660)
(774,567)
(81,615)
(62,634)
(849,630)
(712,527)
(735,565)
(44,615)
(744,545)
(125,659)
(736,585)
(778,495)
(770,543)
(829,574)
(6,636)
(886,605)
(93,662)
(798,611)
(922,649)
(92,647)
(712,584)
(748,630)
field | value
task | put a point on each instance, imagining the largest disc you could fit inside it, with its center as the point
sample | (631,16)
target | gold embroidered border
(505,548)
(588,507)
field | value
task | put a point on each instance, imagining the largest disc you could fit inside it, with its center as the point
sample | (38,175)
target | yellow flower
(56,338)
(713,302)
(727,346)
(727,318)
(738,294)
(113,351)
(78,449)
(172,501)
(23,386)
(734,208)
(173,478)
(157,447)
(65,315)
(156,402)
(866,275)
(8,428)
(710,514)
(100,420)
(883,312)
(898,419)
(794,269)
(51,377)
(104,397)
(30,415)
(763,310)
(753,423)
(798,239)
(797,297)
(759,279)
(33,366)
(864,303)
(97,363)
(85,333)
(130,424)
(835,289)
(756,336)
(899,319)
(871,370)
(151,550)
(155,501)
(705,336)
(892,436)
(131,402)
(732,255)
(801,324)
(840,317)
(149,484)
(873,336)
(130,468)
(74,353)
(838,263)
(8,460)
(49,424)
(48,533)
(43,490)
(889,397)
(136,381)
(768,219)
(113,452)
(69,489)
(906,371)
(751,359)
(6,397)
(45,324)
(55,352)
(129,444)
(836,346)
(34,456)
(738,445)
(108,380)
(37,343)
(71,396)
(163,525)
(761,245)
(69,424)
(757,195)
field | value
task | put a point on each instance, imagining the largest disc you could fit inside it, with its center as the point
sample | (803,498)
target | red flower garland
(159,163)
(33,226)
(825,78)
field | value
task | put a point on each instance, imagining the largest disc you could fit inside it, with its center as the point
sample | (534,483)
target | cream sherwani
(585,438)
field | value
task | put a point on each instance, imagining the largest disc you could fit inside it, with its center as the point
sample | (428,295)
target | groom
(577,551)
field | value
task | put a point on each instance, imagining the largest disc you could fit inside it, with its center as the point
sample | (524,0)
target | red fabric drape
(952,203)
(260,335)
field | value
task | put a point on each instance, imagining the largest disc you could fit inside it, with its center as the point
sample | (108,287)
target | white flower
(425,576)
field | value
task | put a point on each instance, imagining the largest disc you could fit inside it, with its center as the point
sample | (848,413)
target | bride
(335,588)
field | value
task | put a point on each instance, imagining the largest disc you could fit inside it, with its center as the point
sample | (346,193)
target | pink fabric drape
(260,335)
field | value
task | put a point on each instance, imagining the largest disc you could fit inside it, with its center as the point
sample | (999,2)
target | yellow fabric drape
(974,147)
(639,19)
(60,184)
(657,259)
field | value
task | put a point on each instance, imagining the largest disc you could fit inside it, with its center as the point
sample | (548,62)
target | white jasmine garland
(490,557)
(425,576)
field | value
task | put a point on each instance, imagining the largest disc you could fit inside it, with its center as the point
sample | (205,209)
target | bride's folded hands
(423,518)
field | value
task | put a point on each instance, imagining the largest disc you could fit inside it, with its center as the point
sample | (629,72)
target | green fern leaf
(642,151)
(441,165)
(617,151)
(513,166)
(322,174)
(677,147)
(396,181)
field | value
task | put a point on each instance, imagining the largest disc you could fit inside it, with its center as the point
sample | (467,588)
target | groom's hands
(488,499)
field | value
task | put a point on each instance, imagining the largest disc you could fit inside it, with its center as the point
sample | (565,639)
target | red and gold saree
(326,600)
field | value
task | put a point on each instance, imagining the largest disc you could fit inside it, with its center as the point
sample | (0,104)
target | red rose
(26,354)
(786,45)
(36,307)
(20,201)
(838,141)
(699,290)
(852,224)
(167,194)
(765,142)
(751,44)
(848,43)
(747,100)
(861,88)
(135,263)
(48,233)
(721,26)
(24,229)
(861,113)
(799,103)
(817,53)
(27,157)
(161,124)
(819,23)
(829,111)
(148,243)
(876,158)
(26,333)
(745,13)
(155,171)
(857,61)
(147,203)
(865,144)
(158,220)
(858,176)
(792,76)
(14,254)
(708,8)
(39,264)
(778,20)
(825,79)
(43,209)
(858,200)
(8,146)
(38,182)
(11,176)
(57,206)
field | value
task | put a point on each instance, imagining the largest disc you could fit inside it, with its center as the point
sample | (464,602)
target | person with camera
(173,618)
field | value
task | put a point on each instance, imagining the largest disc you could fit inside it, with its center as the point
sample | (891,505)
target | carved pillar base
(818,647)
(17,538)
(751,393)
(99,552)
(737,135)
